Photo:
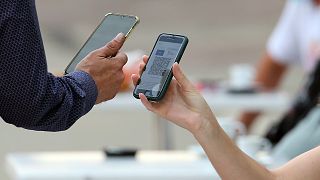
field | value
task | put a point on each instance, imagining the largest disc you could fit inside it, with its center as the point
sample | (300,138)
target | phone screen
(111,25)
(158,68)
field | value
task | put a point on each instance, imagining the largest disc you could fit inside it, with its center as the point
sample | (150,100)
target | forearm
(269,73)
(305,166)
(54,104)
(247,118)
(229,161)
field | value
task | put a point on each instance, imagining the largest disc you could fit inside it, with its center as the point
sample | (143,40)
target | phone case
(109,14)
(168,80)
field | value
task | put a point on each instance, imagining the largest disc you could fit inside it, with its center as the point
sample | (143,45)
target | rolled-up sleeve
(30,97)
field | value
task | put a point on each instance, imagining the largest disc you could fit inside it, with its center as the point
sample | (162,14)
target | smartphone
(110,26)
(157,74)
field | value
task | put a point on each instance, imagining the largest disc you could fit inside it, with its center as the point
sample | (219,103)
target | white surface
(170,165)
(148,165)
(218,101)
(273,101)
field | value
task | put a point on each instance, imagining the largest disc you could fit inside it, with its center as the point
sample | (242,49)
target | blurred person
(32,98)
(294,41)
(184,106)
(299,129)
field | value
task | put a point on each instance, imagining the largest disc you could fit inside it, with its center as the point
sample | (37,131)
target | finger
(112,47)
(121,59)
(142,68)
(143,64)
(145,102)
(135,79)
(181,78)
(145,58)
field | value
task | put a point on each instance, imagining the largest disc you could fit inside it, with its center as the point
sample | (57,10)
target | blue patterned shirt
(30,97)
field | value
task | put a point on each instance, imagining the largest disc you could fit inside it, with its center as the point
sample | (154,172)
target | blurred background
(221,33)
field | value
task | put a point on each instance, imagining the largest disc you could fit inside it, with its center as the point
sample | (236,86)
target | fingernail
(176,64)
(179,68)
(119,37)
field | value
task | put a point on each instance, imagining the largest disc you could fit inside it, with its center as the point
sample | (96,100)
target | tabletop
(219,100)
(151,165)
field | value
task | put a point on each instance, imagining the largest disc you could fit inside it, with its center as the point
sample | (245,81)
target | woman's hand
(182,103)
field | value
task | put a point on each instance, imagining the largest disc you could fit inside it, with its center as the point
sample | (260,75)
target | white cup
(253,144)
(242,76)
(233,128)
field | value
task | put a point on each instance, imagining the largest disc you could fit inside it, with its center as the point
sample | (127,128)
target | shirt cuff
(89,89)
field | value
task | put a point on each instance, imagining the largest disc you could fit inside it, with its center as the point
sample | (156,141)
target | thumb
(181,78)
(112,47)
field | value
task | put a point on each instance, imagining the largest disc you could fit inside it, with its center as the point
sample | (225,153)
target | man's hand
(105,69)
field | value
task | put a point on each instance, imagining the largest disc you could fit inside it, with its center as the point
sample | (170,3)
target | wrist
(208,127)
(88,90)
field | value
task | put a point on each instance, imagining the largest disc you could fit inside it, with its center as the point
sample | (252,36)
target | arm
(269,75)
(184,106)
(305,166)
(228,160)
(32,98)
(231,163)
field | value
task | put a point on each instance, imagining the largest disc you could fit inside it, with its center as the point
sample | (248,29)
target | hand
(182,104)
(58,73)
(105,69)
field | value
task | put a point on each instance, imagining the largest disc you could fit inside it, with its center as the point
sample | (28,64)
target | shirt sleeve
(30,97)
(282,44)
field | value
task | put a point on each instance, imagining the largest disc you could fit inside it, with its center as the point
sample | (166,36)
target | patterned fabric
(30,97)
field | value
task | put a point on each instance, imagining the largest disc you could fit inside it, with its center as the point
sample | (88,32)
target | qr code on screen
(159,66)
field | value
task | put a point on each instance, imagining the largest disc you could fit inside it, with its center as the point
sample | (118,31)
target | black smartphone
(110,26)
(157,74)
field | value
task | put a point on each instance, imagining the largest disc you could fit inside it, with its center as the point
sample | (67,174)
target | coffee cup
(253,144)
(233,128)
(241,76)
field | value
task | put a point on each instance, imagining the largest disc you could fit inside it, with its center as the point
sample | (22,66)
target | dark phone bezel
(104,18)
(169,78)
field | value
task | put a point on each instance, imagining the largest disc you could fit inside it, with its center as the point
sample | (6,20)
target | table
(217,100)
(148,165)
